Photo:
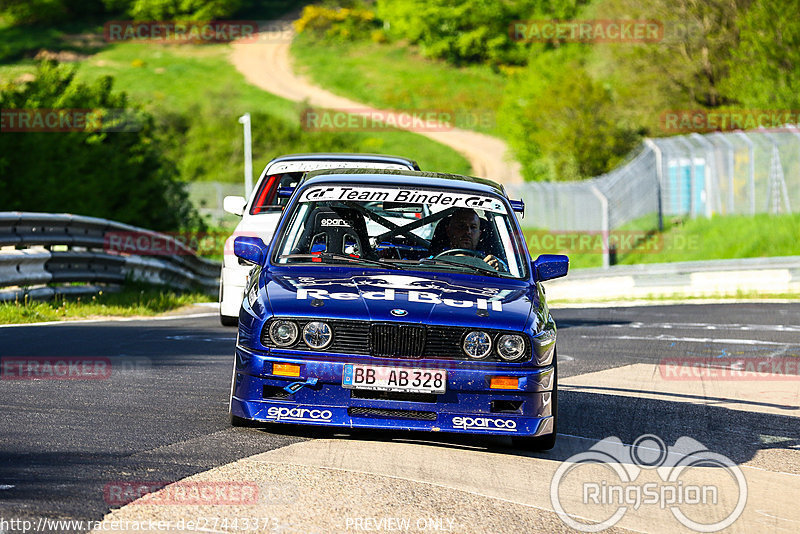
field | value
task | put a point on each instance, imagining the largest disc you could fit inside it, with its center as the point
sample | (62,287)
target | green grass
(134,300)
(392,76)
(717,238)
(186,78)
(182,78)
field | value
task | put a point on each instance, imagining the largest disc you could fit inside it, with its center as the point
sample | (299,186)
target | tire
(548,441)
(227,320)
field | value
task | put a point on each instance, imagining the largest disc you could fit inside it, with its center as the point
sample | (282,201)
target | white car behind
(261,212)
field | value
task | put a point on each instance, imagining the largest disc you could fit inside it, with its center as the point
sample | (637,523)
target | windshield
(402,228)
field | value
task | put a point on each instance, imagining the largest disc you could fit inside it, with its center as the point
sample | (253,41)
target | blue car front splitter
(469,404)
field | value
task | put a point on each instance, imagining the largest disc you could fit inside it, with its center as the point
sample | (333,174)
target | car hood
(417,298)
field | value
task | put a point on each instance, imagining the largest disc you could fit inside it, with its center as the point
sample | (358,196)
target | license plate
(394,378)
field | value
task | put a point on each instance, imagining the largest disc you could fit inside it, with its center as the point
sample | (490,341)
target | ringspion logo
(593,490)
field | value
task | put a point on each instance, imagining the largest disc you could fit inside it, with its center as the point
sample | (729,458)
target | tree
(119,175)
(765,67)
(561,123)
(687,66)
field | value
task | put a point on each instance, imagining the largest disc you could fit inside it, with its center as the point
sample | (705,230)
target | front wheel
(227,320)
(548,441)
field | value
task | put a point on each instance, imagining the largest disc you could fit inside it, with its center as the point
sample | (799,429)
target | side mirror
(549,266)
(250,249)
(234,205)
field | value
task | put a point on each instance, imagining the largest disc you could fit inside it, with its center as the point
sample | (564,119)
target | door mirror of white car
(234,205)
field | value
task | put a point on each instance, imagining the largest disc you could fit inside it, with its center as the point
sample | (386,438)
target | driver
(464,231)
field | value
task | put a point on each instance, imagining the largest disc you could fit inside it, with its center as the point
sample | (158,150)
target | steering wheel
(460,251)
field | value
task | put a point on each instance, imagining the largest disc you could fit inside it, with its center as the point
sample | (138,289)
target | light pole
(248,155)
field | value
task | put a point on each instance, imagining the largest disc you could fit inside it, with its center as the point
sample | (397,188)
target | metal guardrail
(777,275)
(88,258)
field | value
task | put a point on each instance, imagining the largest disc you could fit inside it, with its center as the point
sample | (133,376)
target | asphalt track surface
(162,414)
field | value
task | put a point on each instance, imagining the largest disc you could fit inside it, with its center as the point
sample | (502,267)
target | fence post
(709,170)
(731,167)
(604,223)
(796,132)
(751,154)
(777,183)
(659,180)
(692,178)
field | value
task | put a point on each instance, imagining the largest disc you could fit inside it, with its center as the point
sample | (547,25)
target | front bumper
(468,406)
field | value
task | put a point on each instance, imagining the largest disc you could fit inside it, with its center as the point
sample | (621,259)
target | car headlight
(283,333)
(477,344)
(511,347)
(317,334)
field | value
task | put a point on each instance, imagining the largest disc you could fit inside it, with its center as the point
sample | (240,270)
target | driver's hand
(493,262)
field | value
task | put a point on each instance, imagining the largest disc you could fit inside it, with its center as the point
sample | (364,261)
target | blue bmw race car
(399,300)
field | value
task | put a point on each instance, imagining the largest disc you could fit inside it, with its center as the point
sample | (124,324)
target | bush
(182,9)
(115,175)
(456,31)
(561,123)
(59,11)
(48,11)
(342,24)
(468,31)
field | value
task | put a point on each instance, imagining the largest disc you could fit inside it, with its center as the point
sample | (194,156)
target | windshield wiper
(344,257)
(488,270)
